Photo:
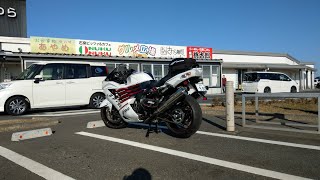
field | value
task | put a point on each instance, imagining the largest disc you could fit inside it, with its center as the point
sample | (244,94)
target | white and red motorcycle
(135,97)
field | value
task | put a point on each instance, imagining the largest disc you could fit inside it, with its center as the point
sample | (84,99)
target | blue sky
(283,26)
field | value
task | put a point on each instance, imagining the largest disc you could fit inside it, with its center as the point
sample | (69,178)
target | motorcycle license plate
(201,87)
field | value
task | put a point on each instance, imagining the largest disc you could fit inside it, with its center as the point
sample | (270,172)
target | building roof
(256,54)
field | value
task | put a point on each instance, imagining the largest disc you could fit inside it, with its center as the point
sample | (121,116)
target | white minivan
(268,82)
(54,84)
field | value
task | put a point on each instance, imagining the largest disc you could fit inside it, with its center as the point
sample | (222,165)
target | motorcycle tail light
(204,98)
(185,83)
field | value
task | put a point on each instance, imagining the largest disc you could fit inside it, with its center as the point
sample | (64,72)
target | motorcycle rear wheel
(191,121)
(112,119)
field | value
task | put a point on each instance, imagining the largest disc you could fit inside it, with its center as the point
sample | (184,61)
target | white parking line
(63,114)
(226,164)
(261,140)
(281,143)
(32,166)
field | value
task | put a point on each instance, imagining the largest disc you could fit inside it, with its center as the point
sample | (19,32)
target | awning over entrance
(265,66)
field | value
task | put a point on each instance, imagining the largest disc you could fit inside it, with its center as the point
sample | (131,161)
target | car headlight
(4,85)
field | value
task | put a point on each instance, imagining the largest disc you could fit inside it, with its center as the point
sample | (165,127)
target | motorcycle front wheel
(112,119)
(185,117)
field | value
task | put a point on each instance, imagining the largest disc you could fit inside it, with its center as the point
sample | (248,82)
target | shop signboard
(52,45)
(94,48)
(148,50)
(107,48)
(201,53)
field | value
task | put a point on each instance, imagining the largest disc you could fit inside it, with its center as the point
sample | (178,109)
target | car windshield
(29,73)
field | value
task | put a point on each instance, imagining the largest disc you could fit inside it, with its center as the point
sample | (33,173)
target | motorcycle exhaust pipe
(177,96)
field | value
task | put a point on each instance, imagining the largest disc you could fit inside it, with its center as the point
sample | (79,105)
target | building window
(206,75)
(157,71)
(216,79)
(165,69)
(147,68)
(134,66)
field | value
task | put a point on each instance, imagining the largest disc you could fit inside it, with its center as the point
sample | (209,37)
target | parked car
(268,82)
(54,84)
(317,82)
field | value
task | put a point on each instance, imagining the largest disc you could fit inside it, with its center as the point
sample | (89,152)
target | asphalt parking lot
(74,151)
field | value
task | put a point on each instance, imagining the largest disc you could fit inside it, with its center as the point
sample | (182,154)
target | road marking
(222,163)
(261,140)
(31,165)
(232,137)
(62,114)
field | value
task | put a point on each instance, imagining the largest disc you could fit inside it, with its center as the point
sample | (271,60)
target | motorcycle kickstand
(149,129)
(156,129)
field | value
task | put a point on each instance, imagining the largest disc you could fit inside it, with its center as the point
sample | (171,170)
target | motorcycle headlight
(4,85)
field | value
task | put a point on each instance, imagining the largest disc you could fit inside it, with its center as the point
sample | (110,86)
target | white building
(235,63)
(16,55)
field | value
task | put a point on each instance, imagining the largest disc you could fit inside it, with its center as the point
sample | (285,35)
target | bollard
(230,106)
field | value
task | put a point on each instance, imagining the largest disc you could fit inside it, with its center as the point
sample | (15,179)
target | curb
(95,124)
(23,135)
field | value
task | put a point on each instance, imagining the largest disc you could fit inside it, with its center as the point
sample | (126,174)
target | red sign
(199,52)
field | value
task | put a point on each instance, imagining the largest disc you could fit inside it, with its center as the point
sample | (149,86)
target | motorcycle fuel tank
(138,77)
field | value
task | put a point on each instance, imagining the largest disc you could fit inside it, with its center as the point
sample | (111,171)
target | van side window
(98,71)
(52,72)
(76,71)
(264,75)
(275,77)
(284,78)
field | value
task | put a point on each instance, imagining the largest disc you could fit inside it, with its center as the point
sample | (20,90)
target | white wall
(231,75)
(13,43)
(253,59)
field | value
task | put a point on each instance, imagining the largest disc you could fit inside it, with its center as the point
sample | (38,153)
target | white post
(230,106)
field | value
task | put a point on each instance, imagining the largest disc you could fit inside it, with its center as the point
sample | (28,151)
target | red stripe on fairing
(126,88)
(128,91)
(123,106)
(126,97)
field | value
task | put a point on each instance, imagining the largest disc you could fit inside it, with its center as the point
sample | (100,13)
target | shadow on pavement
(214,124)
(139,174)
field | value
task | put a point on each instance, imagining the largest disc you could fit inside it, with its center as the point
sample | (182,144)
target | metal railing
(279,95)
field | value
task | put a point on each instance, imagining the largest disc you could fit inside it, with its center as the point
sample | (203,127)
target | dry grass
(25,124)
(288,106)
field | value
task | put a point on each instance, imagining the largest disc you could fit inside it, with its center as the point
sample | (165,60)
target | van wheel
(293,89)
(267,90)
(96,99)
(16,106)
